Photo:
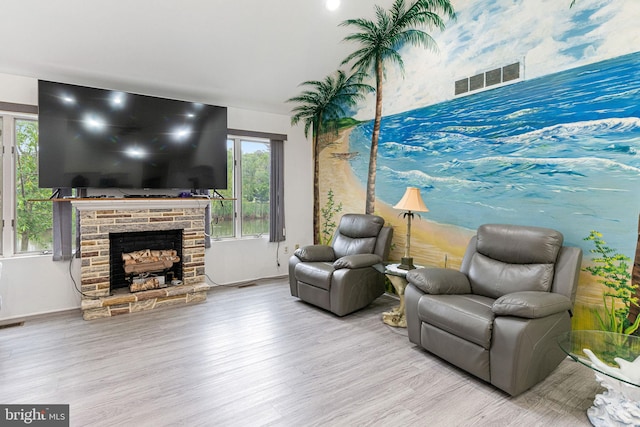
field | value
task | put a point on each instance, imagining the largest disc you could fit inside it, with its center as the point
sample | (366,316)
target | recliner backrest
(511,258)
(356,234)
(383,243)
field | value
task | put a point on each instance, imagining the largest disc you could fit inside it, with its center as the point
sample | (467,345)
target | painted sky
(546,35)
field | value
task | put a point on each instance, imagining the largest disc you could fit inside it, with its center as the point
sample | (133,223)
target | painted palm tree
(320,106)
(380,43)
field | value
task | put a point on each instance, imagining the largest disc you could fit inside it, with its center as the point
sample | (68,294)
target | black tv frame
(86,141)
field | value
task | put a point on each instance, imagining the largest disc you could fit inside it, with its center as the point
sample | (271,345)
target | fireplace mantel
(96,204)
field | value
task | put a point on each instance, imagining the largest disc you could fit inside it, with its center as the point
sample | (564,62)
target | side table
(398,278)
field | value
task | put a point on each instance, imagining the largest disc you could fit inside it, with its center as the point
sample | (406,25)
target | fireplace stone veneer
(99,217)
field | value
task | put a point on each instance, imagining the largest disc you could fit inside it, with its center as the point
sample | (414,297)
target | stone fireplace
(103,220)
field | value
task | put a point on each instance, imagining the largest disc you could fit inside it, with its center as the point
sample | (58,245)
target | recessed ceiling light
(333,4)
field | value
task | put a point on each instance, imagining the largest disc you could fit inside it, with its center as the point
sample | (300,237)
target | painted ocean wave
(393,147)
(573,164)
(559,151)
(600,128)
(425,180)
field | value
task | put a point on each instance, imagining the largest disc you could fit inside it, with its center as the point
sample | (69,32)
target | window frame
(237,195)
(277,230)
(10,114)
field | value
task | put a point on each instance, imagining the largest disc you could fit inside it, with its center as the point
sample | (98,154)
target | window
(247,212)
(26,212)
(256,177)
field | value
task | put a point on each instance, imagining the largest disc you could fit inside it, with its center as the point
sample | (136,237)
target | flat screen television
(97,138)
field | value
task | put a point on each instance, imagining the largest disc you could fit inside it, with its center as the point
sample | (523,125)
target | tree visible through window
(256,166)
(33,218)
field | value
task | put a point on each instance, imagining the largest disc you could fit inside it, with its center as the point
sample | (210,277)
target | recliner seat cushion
(317,274)
(472,314)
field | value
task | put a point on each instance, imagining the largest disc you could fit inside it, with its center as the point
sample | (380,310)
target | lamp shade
(411,201)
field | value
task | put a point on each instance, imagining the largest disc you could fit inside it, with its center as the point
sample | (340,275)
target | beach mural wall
(549,137)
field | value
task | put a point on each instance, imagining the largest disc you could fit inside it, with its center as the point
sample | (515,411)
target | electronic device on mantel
(97,138)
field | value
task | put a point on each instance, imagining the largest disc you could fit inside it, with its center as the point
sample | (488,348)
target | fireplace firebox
(120,243)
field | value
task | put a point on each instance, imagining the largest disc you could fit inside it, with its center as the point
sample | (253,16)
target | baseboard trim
(38,316)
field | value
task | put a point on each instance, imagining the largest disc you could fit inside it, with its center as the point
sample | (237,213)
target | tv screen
(97,138)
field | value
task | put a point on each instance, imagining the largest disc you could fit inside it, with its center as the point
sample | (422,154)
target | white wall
(35,284)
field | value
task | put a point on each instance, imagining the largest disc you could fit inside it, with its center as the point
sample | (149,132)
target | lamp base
(406,263)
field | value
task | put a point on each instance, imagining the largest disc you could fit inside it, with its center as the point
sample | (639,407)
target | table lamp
(411,202)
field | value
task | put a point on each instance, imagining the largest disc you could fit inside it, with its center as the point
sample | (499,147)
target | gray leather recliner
(499,316)
(349,274)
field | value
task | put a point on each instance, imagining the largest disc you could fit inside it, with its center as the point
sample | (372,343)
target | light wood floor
(255,356)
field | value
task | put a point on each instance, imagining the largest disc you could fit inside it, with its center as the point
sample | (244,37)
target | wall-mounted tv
(97,138)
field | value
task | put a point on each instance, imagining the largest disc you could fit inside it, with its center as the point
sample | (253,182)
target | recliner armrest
(315,253)
(531,304)
(357,261)
(439,281)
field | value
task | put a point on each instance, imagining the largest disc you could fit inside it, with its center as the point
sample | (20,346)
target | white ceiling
(249,54)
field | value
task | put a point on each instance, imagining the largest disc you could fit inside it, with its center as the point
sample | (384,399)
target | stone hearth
(99,217)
